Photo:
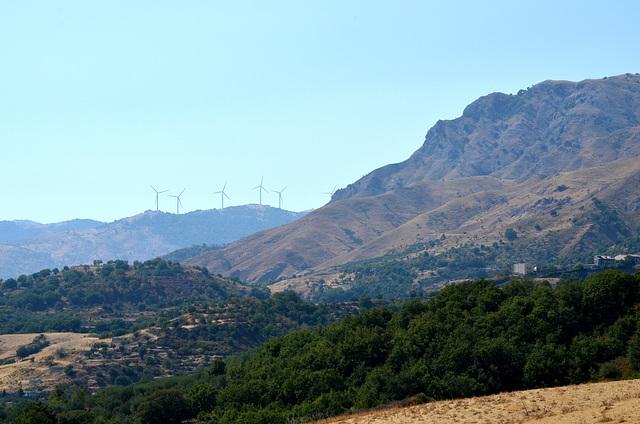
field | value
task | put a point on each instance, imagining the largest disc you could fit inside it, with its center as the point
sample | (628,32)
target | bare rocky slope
(554,126)
(532,161)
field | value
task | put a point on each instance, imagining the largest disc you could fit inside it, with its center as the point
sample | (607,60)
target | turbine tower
(332,191)
(260,187)
(178,202)
(279,197)
(157,194)
(222,194)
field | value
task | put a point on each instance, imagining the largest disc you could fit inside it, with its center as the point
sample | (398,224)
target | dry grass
(611,402)
(41,370)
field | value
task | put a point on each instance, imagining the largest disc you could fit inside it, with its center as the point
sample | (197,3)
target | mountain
(532,162)
(552,127)
(22,229)
(140,237)
(334,231)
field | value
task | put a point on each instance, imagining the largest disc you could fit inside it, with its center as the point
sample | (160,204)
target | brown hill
(559,205)
(333,231)
(531,162)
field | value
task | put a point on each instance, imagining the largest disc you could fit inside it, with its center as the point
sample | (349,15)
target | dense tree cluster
(473,338)
(38,343)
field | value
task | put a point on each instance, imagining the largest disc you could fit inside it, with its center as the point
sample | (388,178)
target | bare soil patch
(611,402)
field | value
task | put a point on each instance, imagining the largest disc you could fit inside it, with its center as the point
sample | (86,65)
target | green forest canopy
(473,338)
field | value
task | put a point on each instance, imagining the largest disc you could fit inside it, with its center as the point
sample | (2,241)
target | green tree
(76,417)
(547,366)
(167,406)
(203,397)
(58,394)
(634,350)
(217,368)
(36,413)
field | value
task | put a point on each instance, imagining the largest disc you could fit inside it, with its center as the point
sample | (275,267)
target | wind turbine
(178,202)
(261,188)
(222,194)
(157,194)
(279,196)
(332,191)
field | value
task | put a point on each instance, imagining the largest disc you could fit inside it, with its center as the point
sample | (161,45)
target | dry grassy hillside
(552,214)
(47,367)
(333,231)
(555,204)
(529,161)
(610,402)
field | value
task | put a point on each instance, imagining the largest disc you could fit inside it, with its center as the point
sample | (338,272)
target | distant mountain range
(559,163)
(19,230)
(27,247)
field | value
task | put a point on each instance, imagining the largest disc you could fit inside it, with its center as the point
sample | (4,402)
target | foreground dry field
(611,402)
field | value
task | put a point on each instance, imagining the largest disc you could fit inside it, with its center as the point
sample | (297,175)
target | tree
(217,368)
(634,350)
(203,397)
(36,413)
(77,417)
(168,406)
(58,394)
(510,234)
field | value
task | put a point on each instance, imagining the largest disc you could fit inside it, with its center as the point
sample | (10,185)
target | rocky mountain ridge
(532,161)
(552,127)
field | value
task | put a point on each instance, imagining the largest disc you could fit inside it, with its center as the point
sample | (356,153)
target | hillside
(114,323)
(532,162)
(333,231)
(471,339)
(615,402)
(552,127)
(141,237)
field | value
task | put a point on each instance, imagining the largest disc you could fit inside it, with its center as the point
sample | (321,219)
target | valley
(400,291)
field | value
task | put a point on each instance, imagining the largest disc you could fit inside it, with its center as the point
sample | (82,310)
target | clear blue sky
(100,99)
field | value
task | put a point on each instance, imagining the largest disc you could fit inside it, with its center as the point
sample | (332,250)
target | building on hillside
(635,257)
(600,260)
(521,268)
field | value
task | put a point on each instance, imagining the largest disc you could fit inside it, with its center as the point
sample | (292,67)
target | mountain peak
(552,127)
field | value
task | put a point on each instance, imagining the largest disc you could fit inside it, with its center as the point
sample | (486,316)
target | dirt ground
(610,402)
(46,369)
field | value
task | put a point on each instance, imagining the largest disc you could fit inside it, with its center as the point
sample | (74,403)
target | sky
(100,100)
